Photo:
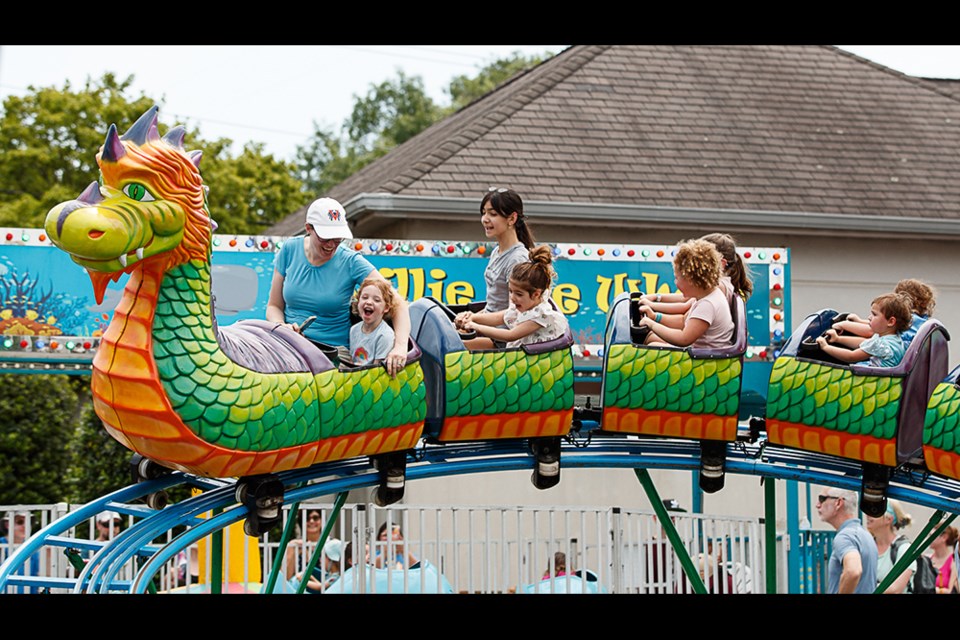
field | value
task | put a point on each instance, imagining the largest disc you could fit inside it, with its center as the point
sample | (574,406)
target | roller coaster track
(589,450)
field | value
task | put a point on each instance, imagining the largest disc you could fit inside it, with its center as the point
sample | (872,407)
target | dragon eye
(138,192)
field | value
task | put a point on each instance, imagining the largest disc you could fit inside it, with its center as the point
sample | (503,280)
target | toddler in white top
(530,317)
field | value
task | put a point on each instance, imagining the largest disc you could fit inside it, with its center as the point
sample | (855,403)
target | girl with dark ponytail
(501,214)
(733,265)
(530,317)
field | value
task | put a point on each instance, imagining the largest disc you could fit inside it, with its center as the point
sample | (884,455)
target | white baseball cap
(328,219)
(333,549)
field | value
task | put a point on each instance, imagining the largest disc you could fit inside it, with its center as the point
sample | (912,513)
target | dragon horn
(145,128)
(112,147)
(175,136)
(91,195)
(195,157)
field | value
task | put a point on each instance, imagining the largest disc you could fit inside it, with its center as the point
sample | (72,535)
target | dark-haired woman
(501,214)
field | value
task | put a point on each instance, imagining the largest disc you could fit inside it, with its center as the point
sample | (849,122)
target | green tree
(388,115)
(326,160)
(38,414)
(465,89)
(250,192)
(49,139)
(99,464)
(391,113)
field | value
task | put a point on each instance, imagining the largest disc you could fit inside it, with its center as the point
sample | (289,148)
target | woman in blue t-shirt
(315,276)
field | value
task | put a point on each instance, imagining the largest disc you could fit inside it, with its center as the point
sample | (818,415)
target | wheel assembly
(546,470)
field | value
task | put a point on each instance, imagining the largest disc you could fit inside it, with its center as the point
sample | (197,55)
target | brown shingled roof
(771,128)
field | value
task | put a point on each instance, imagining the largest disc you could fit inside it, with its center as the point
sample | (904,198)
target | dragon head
(148,208)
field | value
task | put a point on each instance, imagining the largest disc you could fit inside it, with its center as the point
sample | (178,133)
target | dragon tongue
(100,281)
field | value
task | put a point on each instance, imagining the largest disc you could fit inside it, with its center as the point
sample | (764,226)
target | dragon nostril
(94,233)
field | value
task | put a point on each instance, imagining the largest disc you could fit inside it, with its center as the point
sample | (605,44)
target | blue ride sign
(48,312)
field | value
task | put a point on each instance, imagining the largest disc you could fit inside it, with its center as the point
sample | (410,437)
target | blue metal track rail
(593,450)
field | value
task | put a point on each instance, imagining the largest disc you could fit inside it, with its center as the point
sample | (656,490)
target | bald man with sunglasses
(853,562)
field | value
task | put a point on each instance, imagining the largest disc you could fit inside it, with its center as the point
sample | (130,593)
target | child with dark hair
(708,323)
(530,317)
(889,316)
(735,271)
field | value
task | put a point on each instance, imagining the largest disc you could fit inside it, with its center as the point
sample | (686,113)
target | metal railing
(515,549)
(483,549)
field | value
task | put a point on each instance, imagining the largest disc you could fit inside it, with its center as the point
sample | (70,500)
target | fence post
(770,527)
(616,558)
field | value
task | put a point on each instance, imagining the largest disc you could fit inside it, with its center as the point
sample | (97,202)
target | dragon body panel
(831,410)
(941,430)
(508,394)
(666,392)
(161,382)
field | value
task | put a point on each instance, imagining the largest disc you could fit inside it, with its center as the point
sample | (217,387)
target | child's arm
(494,319)
(850,342)
(673,320)
(842,354)
(673,308)
(525,328)
(691,331)
(861,329)
(657,298)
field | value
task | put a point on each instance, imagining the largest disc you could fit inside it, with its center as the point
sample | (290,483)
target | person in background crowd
(853,561)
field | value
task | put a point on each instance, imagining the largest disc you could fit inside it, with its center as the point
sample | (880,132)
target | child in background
(372,339)
(889,316)
(735,279)
(530,317)
(922,301)
(559,566)
(708,323)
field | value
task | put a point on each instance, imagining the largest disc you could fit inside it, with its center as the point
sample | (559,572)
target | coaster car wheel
(393,473)
(546,470)
(263,498)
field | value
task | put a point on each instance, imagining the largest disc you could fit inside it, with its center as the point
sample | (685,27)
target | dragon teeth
(139,253)
(123,259)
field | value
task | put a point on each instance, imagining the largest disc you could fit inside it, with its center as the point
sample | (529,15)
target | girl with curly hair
(697,268)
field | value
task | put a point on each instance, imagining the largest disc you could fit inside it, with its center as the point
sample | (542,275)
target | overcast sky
(273,94)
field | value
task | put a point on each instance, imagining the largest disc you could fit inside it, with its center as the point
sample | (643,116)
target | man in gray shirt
(853,562)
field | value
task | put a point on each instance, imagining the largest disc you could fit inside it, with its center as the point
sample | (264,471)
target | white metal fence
(461,549)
